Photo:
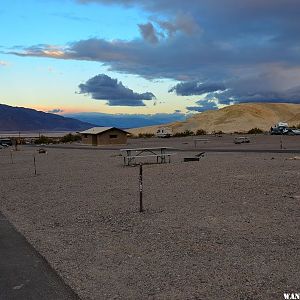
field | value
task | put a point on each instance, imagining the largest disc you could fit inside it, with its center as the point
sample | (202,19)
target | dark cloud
(182,22)
(55,111)
(196,88)
(103,87)
(163,29)
(272,85)
(235,96)
(148,32)
(247,45)
(203,105)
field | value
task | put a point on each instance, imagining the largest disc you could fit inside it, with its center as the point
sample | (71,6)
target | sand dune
(239,117)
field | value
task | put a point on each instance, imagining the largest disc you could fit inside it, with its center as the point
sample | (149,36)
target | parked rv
(164,132)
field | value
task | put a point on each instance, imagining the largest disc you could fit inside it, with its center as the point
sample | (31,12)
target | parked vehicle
(296,131)
(241,140)
(5,141)
(283,128)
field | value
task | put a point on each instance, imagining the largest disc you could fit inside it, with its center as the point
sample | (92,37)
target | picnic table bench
(160,153)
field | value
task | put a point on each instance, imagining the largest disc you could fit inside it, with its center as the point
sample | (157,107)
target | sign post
(141,188)
(34,164)
(11,157)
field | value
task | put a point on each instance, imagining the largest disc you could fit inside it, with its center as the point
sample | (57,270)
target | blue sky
(148,57)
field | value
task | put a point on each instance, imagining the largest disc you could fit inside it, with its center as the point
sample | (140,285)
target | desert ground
(226,227)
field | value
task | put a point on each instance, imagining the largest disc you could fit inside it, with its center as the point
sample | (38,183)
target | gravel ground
(226,227)
(225,141)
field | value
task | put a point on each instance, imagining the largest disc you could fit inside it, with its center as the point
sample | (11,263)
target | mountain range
(127,120)
(26,119)
(239,117)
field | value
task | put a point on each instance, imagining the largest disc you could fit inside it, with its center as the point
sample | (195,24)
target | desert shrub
(255,131)
(43,140)
(184,133)
(201,132)
(217,132)
(69,138)
(295,126)
(146,135)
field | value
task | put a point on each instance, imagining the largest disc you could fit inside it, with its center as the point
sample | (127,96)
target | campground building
(104,136)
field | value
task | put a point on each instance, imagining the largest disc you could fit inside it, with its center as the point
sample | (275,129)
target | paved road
(24,273)
(192,149)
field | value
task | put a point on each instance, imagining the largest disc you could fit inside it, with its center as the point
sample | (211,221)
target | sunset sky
(148,57)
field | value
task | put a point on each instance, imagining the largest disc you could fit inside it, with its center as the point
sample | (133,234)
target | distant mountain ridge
(27,119)
(127,120)
(233,118)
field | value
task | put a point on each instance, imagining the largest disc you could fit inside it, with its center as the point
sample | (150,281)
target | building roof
(97,130)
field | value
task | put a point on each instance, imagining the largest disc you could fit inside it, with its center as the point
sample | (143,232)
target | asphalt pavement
(24,273)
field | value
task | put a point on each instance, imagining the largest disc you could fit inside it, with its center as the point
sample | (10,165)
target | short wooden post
(141,188)
(11,157)
(281,145)
(34,164)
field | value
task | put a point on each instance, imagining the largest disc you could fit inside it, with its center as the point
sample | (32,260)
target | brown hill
(239,117)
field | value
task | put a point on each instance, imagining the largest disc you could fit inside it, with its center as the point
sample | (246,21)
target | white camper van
(164,132)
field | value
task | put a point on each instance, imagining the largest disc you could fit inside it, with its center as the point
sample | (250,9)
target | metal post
(281,146)
(34,165)
(141,188)
(11,157)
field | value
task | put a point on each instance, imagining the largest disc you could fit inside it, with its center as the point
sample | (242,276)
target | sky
(145,57)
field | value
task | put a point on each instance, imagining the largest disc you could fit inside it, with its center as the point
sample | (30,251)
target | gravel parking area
(226,227)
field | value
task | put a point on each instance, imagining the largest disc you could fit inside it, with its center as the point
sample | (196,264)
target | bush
(185,133)
(69,138)
(43,140)
(146,135)
(255,131)
(217,132)
(201,132)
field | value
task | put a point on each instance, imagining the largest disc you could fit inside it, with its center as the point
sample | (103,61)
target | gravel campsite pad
(226,227)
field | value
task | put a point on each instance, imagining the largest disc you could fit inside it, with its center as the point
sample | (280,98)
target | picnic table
(160,153)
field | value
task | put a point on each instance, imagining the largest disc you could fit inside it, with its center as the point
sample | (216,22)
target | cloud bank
(196,88)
